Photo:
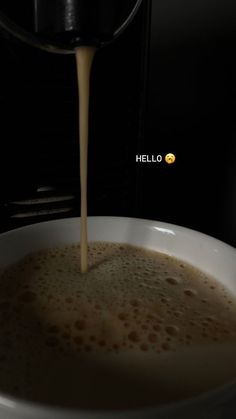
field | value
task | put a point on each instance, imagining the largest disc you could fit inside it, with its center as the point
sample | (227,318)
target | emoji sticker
(170,158)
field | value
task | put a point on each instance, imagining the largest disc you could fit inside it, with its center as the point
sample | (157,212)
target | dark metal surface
(61,25)
(84,21)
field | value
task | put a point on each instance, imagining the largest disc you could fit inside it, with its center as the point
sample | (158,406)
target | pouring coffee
(77,26)
(160,330)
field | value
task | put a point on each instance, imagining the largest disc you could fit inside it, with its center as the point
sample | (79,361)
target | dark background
(192,111)
(167,85)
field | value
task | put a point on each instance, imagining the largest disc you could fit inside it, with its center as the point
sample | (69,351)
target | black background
(192,110)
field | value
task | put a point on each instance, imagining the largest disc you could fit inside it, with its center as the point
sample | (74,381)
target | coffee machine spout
(62,25)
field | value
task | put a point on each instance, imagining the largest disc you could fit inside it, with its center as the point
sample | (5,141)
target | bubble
(172,330)
(152,337)
(210,318)
(156,327)
(134,336)
(189,337)
(165,300)
(123,316)
(115,346)
(166,346)
(190,292)
(69,300)
(173,281)
(144,347)
(135,303)
(178,313)
(144,326)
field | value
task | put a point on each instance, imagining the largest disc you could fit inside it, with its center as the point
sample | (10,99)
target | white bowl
(206,253)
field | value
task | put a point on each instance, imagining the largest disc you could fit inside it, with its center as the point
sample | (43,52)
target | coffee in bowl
(140,328)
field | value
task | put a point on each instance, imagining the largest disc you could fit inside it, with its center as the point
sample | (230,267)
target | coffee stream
(84,60)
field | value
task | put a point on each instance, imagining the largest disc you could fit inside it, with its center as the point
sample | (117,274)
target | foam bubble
(190,292)
(166,346)
(173,281)
(152,337)
(172,330)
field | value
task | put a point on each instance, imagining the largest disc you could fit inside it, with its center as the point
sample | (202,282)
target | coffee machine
(166,84)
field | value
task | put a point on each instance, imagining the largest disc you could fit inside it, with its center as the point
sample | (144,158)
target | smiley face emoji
(170,158)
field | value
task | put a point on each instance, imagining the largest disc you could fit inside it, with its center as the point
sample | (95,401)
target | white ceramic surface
(206,253)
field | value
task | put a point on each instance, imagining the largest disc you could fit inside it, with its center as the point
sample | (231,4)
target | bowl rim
(162,225)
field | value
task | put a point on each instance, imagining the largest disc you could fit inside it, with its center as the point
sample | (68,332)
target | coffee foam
(130,301)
